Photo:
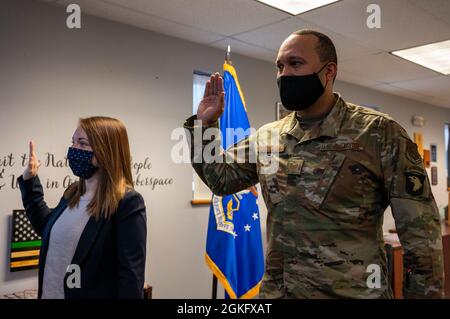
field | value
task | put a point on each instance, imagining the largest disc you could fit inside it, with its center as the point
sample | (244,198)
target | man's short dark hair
(325,47)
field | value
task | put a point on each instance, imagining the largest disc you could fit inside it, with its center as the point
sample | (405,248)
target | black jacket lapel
(86,240)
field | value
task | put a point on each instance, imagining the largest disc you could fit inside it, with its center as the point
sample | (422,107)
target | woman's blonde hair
(109,141)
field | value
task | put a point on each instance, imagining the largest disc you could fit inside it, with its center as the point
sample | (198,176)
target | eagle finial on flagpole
(228,55)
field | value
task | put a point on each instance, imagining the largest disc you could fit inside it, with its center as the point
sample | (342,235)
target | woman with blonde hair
(94,241)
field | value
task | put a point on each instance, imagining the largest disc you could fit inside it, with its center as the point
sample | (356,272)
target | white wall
(50,76)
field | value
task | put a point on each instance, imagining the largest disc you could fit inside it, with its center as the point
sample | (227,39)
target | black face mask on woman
(80,161)
(298,92)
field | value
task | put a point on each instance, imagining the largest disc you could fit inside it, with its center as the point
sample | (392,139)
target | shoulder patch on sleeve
(414,183)
(412,153)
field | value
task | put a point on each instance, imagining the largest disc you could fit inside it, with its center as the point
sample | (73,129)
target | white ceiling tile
(387,88)
(256,30)
(142,20)
(273,35)
(435,101)
(402,25)
(355,79)
(385,68)
(437,87)
(226,17)
(246,49)
(440,102)
(438,8)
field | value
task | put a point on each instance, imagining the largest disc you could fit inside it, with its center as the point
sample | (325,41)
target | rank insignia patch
(412,152)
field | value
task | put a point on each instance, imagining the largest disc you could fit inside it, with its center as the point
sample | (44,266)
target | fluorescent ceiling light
(296,7)
(435,56)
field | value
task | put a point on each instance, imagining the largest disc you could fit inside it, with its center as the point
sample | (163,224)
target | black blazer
(110,252)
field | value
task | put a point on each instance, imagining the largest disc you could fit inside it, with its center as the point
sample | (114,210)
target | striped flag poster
(25,243)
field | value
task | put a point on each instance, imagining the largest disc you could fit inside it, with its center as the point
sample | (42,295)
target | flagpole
(225,256)
(228,55)
(214,288)
(214,282)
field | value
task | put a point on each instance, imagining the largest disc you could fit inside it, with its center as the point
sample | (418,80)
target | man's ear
(331,72)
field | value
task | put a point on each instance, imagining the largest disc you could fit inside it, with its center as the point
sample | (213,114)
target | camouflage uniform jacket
(326,201)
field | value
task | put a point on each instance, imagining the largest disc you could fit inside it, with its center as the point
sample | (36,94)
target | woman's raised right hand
(33,163)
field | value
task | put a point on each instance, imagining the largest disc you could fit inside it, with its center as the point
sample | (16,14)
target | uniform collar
(330,126)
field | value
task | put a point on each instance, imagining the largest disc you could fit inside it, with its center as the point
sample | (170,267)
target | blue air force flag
(234,250)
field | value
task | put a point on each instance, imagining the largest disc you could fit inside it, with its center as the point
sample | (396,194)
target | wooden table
(446,247)
(396,253)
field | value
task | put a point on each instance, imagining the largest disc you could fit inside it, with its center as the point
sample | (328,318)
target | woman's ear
(94,161)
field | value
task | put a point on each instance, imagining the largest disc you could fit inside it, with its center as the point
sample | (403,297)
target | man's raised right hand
(212,105)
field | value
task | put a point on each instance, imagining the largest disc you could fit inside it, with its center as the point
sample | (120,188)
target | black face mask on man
(298,92)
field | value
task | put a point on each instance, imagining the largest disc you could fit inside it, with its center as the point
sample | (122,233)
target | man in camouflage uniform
(338,168)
